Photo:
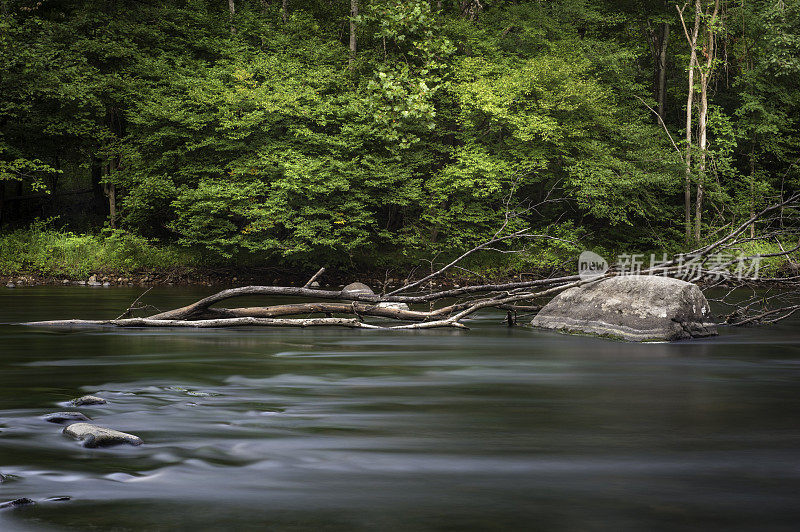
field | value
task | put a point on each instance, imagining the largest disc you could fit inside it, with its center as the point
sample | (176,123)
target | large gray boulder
(94,436)
(637,308)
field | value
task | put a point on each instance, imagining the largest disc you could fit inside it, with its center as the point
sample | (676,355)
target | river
(328,429)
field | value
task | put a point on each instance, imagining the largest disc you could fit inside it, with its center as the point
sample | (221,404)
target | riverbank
(196,277)
(44,256)
(229,277)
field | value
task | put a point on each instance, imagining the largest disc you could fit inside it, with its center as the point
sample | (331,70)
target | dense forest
(375,132)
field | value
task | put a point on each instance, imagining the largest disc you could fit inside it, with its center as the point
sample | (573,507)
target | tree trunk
(353,43)
(285,10)
(705,78)
(752,188)
(111,193)
(687,190)
(232,9)
(661,87)
(702,141)
(112,205)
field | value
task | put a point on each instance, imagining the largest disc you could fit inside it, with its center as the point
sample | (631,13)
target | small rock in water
(16,503)
(3,478)
(94,436)
(88,400)
(63,417)
(393,304)
(358,288)
(10,285)
(314,284)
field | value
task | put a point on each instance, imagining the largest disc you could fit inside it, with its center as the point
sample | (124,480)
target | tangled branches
(449,308)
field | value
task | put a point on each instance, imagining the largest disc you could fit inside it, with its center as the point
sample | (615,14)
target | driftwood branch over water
(351,306)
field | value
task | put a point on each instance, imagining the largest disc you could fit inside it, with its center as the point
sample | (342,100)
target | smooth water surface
(328,429)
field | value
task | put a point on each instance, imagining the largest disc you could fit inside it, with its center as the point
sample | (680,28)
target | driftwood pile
(352,306)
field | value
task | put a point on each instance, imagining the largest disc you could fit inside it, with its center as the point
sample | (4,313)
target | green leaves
(269,142)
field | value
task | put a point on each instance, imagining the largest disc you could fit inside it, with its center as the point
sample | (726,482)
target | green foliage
(271,142)
(49,251)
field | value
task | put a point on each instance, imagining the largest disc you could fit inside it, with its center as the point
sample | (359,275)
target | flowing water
(327,429)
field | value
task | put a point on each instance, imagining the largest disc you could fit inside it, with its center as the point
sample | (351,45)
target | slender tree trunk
(687,189)
(662,70)
(702,143)
(112,205)
(232,9)
(285,11)
(110,192)
(752,188)
(705,79)
(353,43)
(117,124)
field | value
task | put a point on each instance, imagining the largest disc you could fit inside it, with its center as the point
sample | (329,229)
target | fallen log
(212,323)
(352,323)
(357,308)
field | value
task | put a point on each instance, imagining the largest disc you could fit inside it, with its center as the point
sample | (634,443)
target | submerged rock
(392,304)
(94,436)
(16,503)
(58,498)
(637,308)
(358,288)
(88,400)
(63,417)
